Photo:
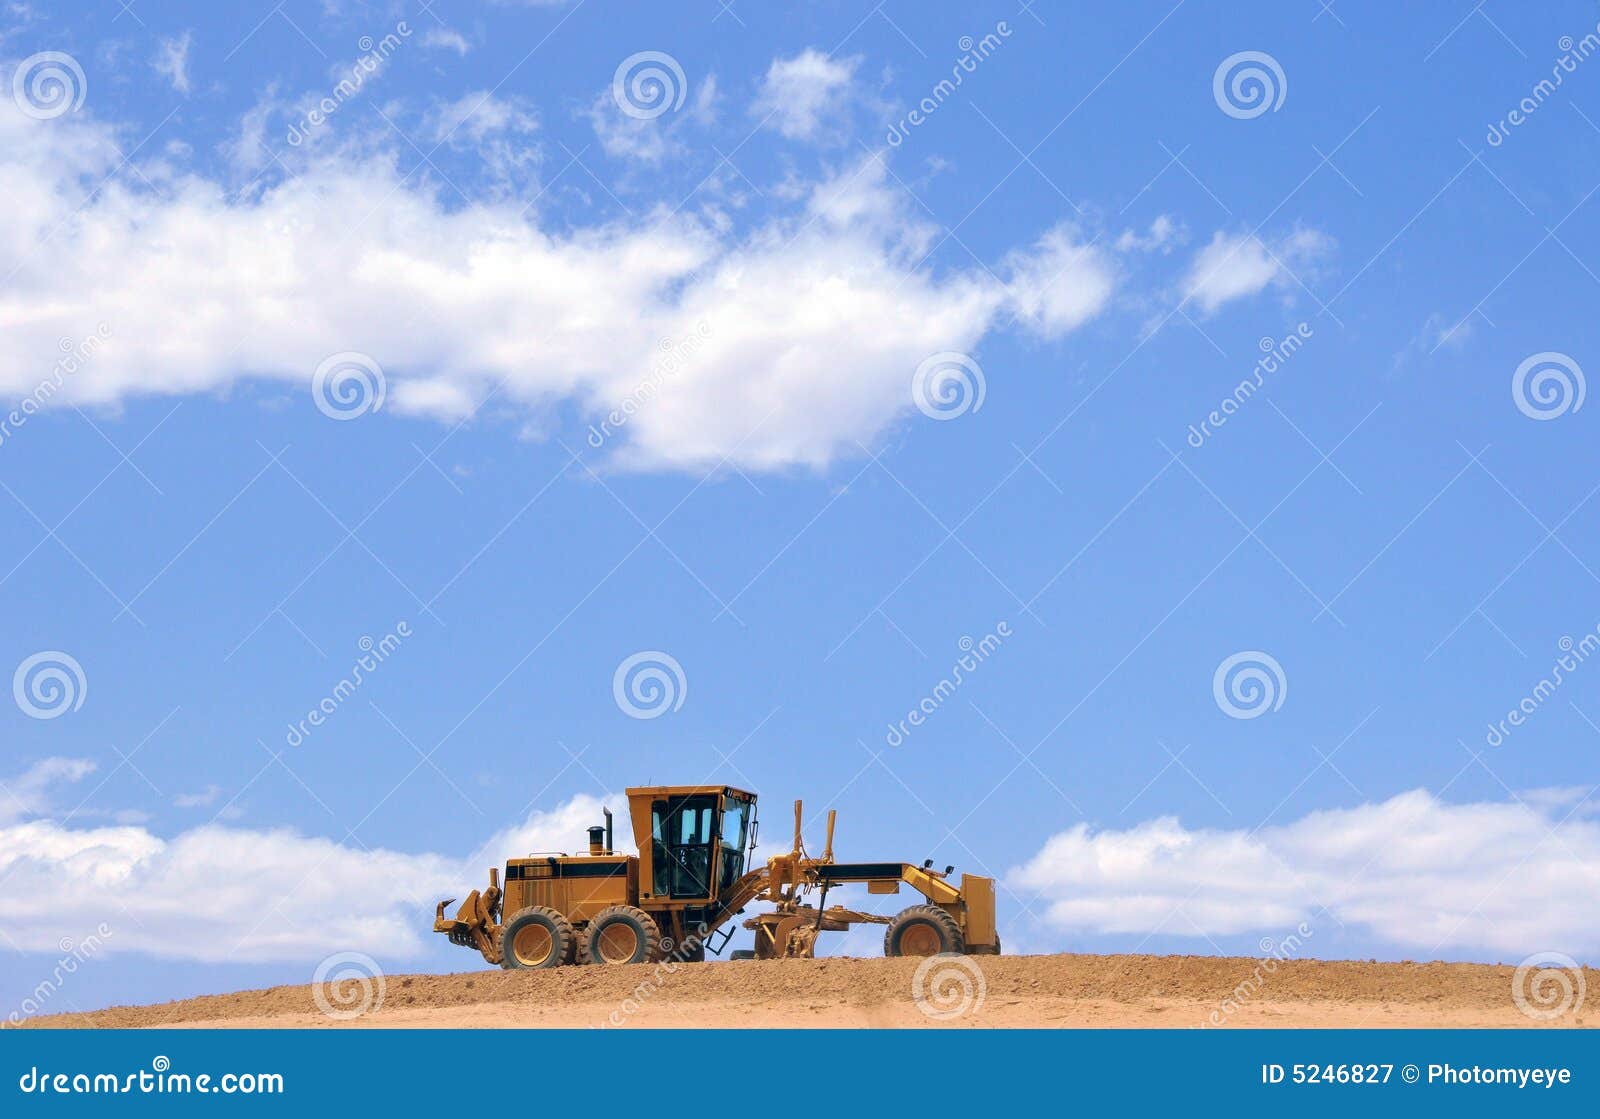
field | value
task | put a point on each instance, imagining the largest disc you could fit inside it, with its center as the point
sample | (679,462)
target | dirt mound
(965,991)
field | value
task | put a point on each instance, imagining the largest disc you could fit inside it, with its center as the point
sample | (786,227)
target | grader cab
(694,873)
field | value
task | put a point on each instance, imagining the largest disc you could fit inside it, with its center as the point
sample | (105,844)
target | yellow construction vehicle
(692,875)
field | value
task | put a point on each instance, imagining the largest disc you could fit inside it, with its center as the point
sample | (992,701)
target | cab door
(684,847)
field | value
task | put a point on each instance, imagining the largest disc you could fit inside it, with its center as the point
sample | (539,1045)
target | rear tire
(922,930)
(536,937)
(742,954)
(620,934)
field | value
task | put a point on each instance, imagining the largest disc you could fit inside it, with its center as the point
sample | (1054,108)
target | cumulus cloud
(808,322)
(1512,878)
(1060,283)
(799,95)
(811,324)
(217,893)
(1232,266)
(172,60)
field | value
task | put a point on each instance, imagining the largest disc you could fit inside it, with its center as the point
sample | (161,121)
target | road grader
(694,873)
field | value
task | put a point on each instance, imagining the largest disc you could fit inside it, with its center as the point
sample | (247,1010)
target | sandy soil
(1021,991)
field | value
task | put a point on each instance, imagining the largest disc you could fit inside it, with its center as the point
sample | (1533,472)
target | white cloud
(496,129)
(1232,266)
(247,150)
(172,60)
(19,17)
(28,794)
(799,95)
(203,799)
(477,116)
(1164,233)
(1511,878)
(1060,283)
(628,137)
(445,38)
(217,893)
(809,323)
(812,322)
(650,140)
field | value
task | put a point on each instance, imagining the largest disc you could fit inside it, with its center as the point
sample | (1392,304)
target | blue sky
(494,239)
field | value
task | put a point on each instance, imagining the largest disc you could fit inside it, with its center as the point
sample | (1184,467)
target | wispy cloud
(28,794)
(445,38)
(172,60)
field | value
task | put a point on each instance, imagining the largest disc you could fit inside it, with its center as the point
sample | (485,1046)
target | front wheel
(922,930)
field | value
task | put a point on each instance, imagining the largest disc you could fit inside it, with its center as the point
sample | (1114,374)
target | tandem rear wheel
(536,937)
(620,934)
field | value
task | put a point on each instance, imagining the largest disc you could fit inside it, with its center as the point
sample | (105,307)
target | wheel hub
(618,943)
(532,945)
(920,940)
